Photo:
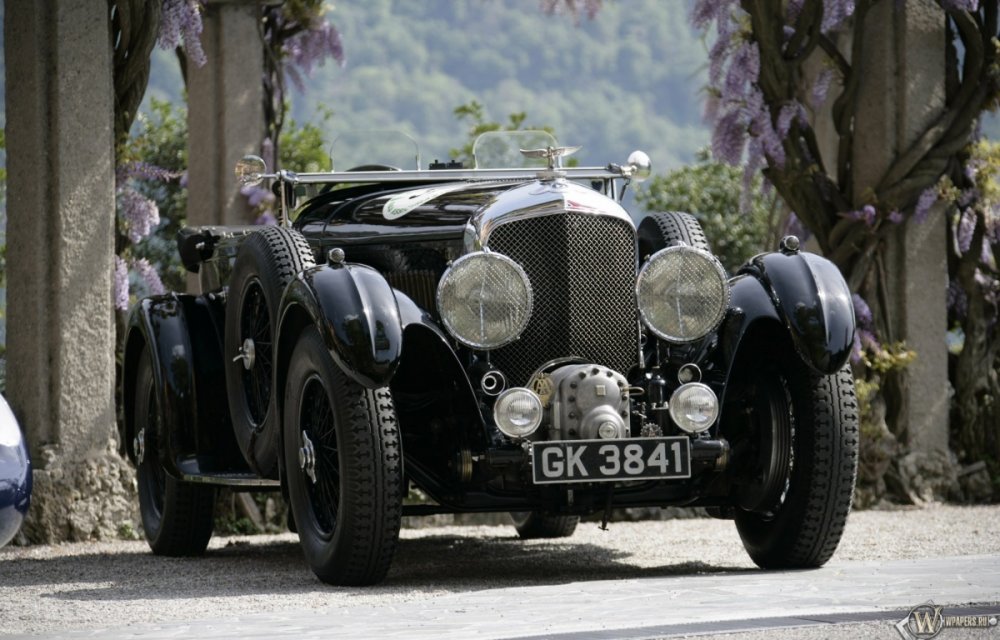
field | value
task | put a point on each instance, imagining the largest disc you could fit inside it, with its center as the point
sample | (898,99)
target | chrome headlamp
(682,293)
(484,300)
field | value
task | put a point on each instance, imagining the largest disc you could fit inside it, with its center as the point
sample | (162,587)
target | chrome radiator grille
(582,272)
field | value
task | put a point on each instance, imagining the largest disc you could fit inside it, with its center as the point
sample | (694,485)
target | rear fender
(185,345)
(356,313)
(812,301)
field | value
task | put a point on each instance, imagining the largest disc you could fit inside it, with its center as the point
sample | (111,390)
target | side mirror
(640,166)
(251,170)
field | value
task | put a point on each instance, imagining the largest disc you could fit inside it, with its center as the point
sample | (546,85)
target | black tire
(177,516)
(663,229)
(266,262)
(804,527)
(531,525)
(348,519)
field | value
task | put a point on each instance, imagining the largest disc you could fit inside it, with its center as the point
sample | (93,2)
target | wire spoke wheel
(255,327)
(177,516)
(316,422)
(808,436)
(267,261)
(343,464)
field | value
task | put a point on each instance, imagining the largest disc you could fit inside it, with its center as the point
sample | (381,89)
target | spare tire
(663,229)
(266,262)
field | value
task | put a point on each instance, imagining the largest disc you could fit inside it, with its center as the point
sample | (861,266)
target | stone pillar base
(77,500)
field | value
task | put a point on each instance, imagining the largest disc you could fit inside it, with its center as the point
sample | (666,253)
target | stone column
(60,247)
(902,91)
(225,111)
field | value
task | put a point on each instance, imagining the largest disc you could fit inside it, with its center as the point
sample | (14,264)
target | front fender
(357,315)
(186,351)
(812,301)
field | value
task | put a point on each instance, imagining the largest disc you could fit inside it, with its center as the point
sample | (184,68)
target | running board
(191,472)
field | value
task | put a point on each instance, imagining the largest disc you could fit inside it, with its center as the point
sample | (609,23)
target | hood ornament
(554,156)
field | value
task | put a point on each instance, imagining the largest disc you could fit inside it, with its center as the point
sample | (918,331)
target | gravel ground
(47,588)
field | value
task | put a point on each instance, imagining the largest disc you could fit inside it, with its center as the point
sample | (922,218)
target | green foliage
(303,148)
(630,78)
(711,192)
(127,532)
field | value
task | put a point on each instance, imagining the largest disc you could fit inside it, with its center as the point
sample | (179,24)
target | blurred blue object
(15,475)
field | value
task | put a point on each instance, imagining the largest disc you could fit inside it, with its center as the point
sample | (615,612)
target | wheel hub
(139,446)
(247,353)
(307,457)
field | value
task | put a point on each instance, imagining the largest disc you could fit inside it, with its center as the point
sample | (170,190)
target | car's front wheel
(177,516)
(343,464)
(809,422)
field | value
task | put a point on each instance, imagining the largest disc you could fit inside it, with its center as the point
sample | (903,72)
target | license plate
(562,461)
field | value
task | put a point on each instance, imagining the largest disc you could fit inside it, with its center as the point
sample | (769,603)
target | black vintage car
(503,339)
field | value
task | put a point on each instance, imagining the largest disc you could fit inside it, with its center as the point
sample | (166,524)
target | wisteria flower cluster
(309,49)
(976,202)
(864,337)
(180,20)
(140,214)
(140,217)
(743,124)
(146,276)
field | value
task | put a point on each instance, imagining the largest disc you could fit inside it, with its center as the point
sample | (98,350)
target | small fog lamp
(694,407)
(518,412)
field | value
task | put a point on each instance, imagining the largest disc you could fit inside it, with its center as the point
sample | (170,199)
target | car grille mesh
(582,272)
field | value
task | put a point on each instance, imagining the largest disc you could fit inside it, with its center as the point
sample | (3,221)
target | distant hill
(629,79)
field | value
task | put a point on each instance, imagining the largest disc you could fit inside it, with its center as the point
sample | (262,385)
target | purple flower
(743,69)
(821,88)
(729,138)
(140,213)
(120,290)
(183,181)
(862,312)
(725,28)
(149,275)
(705,11)
(143,171)
(966,227)
(835,12)
(868,213)
(309,49)
(856,349)
(788,114)
(895,217)
(754,161)
(924,203)
(868,339)
(993,226)
(257,195)
(266,218)
(181,20)
(967,197)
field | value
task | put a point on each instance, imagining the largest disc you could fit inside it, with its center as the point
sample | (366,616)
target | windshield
(369,150)
(377,149)
(502,149)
